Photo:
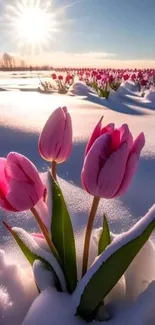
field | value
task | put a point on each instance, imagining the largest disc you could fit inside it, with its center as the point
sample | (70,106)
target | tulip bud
(111,160)
(55,142)
(20,185)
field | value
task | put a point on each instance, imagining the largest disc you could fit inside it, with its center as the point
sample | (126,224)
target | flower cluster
(63,82)
(110,162)
(102,80)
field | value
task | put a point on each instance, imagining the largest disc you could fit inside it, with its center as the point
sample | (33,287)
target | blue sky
(124,27)
(121,30)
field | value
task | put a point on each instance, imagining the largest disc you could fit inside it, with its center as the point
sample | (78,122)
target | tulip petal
(92,163)
(20,169)
(126,136)
(21,196)
(43,212)
(3,180)
(4,187)
(112,173)
(132,163)
(138,144)
(37,235)
(108,128)
(96,133)
(66,145)
(51,138)
(115,139)
(129,173)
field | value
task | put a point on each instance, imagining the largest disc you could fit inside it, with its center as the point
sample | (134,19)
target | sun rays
(32,25)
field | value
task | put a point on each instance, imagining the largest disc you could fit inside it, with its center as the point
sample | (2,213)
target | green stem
(45,233)
(53,170)
(88,233)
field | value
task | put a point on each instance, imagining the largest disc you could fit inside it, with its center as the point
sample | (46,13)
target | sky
(98,33)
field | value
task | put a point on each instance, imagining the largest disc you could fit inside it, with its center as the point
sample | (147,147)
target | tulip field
(77,203)
(101,80)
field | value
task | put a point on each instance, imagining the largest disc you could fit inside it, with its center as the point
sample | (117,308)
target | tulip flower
(111,159)
(143,82)
(20,185)
(55,142)
(99,77)
(54,76)
(125,76)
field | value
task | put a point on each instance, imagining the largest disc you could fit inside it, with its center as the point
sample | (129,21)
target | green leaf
(63,236)
(110,266)
(26,246)
(105,237)
(31,257)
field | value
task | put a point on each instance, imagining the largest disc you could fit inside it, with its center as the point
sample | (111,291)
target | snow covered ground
(22,116)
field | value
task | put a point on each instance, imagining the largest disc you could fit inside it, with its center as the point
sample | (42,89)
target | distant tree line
(8,63)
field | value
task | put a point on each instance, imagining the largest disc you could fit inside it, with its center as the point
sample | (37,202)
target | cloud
(95,55)
(87,59)
(72,59)
(90,59)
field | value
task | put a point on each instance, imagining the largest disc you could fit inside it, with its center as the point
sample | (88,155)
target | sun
(33,26)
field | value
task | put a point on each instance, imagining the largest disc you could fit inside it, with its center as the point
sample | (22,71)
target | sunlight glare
(33,25)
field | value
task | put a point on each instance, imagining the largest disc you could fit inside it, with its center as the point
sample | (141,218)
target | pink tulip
(20,185)
(55,142)
(37,235)
(41,241)
(111,160)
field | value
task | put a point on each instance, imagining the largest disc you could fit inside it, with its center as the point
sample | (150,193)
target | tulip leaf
(109,267)
(104,240)
(63,236)
(27,249)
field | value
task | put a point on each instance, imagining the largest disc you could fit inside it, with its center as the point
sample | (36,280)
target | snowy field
(22,116)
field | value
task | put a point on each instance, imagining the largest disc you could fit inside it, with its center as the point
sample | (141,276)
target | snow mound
(150,95)
(113,94)
(79,88)
(52,307)
(127,87)
(17,288)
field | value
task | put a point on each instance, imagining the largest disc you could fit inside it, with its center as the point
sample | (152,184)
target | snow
(128,87)
(17,288)
(30,242)
(141,271)
(150,95)
(79,88)
(22,117)
(43,277)
(52,308)
(142,311)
